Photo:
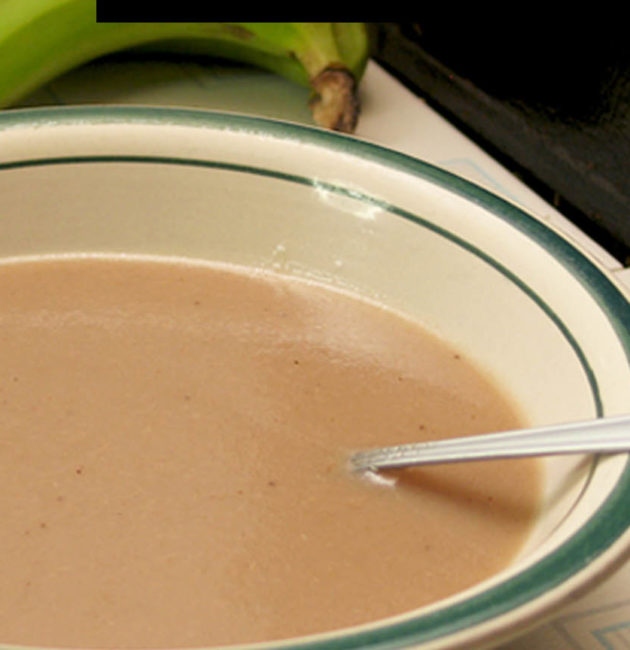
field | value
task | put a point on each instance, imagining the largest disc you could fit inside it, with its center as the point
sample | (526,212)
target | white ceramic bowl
(536,312)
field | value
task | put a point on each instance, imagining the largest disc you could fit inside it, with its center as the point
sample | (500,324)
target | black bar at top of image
(199,11)
(118,11)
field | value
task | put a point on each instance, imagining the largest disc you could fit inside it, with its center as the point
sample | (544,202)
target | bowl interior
(532,310)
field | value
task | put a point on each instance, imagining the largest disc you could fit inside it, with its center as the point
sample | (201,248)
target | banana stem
(335,104)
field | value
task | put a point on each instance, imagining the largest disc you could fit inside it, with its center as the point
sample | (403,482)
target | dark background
(548,98)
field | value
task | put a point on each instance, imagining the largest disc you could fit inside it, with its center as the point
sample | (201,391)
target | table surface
(395,117)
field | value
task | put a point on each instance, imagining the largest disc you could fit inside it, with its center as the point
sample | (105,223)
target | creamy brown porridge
(173,443)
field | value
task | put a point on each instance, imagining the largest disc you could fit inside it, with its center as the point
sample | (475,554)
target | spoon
(602,435)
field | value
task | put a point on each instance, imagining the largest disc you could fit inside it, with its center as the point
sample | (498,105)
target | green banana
(41,39)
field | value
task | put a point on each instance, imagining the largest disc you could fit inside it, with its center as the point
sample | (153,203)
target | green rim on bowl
(601,531)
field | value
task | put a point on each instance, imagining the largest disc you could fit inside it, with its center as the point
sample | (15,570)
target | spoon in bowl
(602,435)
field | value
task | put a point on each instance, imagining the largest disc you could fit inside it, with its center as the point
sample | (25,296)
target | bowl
(528,305)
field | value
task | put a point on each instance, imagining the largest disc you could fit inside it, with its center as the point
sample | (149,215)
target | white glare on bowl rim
(603,528)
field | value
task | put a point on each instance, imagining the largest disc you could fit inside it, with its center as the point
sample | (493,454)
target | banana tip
(335,104)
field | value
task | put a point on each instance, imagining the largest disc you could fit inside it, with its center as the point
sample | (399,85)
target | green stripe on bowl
(353,194)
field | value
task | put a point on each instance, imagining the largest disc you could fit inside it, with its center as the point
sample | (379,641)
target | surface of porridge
(173,450)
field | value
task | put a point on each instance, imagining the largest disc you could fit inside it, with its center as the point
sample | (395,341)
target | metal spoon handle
(603,435)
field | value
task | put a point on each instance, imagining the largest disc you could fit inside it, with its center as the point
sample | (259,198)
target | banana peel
(42,39)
